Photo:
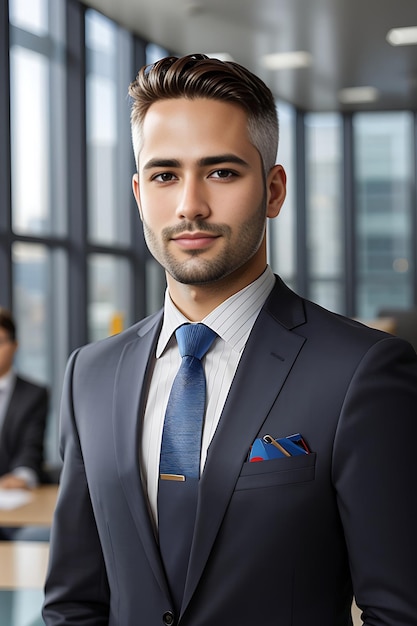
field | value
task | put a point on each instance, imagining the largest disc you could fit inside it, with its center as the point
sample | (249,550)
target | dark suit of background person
(23,412)
(282,542)
(22,432)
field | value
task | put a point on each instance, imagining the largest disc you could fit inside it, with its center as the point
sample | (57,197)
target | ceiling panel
(346,38)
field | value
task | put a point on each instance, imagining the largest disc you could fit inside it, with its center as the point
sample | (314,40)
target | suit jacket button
(168,618)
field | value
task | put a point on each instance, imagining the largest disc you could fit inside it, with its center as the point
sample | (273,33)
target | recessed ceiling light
(402,36)
(356,95)
(287,60)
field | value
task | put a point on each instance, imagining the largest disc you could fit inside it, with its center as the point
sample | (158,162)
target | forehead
(195,126)
(194,120)
(209,106)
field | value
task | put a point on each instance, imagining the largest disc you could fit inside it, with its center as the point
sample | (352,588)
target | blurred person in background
(23,412)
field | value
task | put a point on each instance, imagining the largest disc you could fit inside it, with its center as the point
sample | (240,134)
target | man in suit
(286,540)
(23,412)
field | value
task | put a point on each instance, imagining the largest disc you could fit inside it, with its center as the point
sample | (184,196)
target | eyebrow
(203,162)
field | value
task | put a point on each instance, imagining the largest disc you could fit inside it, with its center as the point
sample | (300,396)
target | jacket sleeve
(76,590)
(375,476)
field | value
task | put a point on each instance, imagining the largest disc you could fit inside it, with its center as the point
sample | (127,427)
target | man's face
(200,191)
(7,350)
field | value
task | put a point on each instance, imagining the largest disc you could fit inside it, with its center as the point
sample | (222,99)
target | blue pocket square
(268,448)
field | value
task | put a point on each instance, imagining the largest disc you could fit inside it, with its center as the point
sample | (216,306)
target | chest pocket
(282,471)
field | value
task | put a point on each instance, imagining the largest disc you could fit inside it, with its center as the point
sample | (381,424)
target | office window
(31,269)
(110,166)
(40,310)
(324,214)
(154,52)
(37,120)
(109,152)
(39,196)
(31,16)
(281,230)
(384,169)
(155,275)
(110,295)
(30,141)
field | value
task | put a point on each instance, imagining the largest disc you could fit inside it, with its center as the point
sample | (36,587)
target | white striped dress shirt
(232,321)
(7,383)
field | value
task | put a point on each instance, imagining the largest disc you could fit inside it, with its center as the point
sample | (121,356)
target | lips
(194,241)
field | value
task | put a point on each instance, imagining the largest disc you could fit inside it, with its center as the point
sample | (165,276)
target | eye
(164,177)
(223,174)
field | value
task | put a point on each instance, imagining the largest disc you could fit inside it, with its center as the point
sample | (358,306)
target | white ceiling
(346,39)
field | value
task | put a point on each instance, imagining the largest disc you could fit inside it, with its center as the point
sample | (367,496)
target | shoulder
(110,348)
(322,327)
(26,385)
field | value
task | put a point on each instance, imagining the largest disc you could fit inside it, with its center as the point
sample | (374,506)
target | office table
(38,512)
(23,568)
(23,564)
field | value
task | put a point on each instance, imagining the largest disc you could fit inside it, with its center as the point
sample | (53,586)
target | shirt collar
(232,320)
(7,381)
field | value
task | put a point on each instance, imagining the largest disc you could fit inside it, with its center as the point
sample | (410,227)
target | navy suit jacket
(22,432)
(281,542)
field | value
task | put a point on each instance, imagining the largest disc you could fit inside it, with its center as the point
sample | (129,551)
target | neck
(197,301)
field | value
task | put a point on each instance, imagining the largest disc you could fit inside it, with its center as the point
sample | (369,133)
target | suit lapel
(15,400)
(265,364)
(130,386)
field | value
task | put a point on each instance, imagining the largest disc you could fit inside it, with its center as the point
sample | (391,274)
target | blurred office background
(73,264)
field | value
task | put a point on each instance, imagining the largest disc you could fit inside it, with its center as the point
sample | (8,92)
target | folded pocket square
(268,448)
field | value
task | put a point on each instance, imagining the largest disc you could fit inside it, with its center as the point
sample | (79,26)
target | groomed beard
(199,271)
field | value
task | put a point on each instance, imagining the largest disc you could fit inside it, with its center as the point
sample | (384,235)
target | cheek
(155,208)
(249,194)
(148,214)
(243,205)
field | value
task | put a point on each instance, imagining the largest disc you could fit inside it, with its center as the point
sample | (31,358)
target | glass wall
(282,229)
(30,16)
(38,190)
(56,249)
(110,295)
(324,209)
(384,183)
(37,76)
(40,310)
(106,89)
(155,275)
(30,131)
(109,172)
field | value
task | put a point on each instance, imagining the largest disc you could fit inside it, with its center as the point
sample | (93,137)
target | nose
(193,201)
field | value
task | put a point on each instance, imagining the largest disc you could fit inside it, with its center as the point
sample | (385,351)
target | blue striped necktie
(181,437)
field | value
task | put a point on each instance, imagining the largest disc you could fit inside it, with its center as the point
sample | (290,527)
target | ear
(136,192)
(276,189)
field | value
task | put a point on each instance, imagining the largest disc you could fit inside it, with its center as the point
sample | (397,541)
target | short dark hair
(7,322)
(198,76)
